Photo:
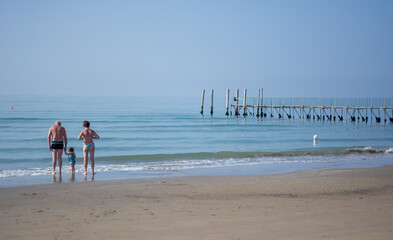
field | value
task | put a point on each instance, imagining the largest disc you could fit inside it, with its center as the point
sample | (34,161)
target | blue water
(147,137)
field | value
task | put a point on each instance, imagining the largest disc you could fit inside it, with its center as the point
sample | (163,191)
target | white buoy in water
(315,139)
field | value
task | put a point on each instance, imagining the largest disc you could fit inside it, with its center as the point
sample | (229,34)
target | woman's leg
(92,159)
(85,159)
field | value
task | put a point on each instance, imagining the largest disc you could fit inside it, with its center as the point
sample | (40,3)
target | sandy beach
(317,204)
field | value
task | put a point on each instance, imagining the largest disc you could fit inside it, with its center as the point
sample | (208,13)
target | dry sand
(320,204)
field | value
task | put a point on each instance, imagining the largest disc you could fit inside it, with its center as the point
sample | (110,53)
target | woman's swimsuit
(71,158)
(88,146)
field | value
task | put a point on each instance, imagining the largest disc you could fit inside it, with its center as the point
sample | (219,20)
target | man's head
(58,123)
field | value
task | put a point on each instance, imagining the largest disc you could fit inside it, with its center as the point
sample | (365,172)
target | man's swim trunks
(57,145)
(88,146)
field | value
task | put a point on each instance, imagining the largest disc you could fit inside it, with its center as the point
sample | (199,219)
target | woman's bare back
(88,135)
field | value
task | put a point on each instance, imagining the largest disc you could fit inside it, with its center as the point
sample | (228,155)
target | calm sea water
(145,137)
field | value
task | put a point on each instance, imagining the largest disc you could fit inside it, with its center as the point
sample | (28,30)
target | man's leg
(60,157)
(54,160)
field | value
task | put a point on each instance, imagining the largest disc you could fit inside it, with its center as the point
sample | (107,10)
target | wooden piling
(262,102)
(227,103)
(203,99)
(211,101)
(245,103)
(237,103)
(384,108)
(259,98)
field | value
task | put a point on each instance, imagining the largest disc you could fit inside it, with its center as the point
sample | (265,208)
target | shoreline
(272,166)
(307,204)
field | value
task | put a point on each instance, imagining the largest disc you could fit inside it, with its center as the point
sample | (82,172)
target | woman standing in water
(87,136)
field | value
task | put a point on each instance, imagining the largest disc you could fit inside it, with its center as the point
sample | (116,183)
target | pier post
(237,103)
(365,119)
(203,99)
(384,108)
(371,111)
(322,110)
(258,101)
(346,113)
(313,108)
(262,102)
(211,100)
(227,104)
(379,113)
(331,104)
(358,110)
(245,103)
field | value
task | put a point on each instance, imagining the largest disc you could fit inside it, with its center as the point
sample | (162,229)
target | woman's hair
(86,124)
(71,149)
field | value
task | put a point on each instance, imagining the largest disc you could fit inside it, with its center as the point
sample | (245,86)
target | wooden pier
(317,109)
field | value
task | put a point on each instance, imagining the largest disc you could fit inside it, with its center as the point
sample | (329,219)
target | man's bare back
(57,133)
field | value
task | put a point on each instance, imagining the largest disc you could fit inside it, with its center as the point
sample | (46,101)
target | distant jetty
(318,109)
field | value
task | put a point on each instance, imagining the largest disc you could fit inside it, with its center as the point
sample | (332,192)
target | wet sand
(317,204)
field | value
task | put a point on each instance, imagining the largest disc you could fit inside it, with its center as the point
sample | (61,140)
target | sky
(295,48)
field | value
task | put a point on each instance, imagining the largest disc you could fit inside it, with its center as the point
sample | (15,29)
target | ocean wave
(239,155)
(186,161)
(21,118)
(366,150)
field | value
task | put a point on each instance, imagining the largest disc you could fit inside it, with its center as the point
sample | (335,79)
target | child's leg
(72,167)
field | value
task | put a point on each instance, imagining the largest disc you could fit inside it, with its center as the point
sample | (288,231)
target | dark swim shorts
(57,145)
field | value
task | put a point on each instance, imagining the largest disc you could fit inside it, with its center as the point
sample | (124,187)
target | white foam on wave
(179,165)
(176,165)
(390,150)
(363,150)
(24,172)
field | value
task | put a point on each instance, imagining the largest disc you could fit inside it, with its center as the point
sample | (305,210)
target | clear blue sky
(331,48)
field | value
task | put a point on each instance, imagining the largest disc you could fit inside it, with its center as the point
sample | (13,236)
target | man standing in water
(57,134)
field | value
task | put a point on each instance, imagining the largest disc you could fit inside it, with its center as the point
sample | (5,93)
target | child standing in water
(71,158)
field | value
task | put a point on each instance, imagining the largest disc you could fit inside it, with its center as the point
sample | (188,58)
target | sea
(150,137)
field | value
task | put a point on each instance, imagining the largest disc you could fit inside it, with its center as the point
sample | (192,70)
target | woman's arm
(80,136)
(95,135)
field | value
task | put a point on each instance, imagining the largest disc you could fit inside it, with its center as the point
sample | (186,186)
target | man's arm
(65,140)
(49,137)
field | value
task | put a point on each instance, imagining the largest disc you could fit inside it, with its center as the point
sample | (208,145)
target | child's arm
(66,153)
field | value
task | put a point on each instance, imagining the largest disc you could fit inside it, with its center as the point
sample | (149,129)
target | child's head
(71,149)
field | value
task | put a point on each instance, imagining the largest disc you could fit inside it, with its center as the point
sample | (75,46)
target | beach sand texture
(317,204)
